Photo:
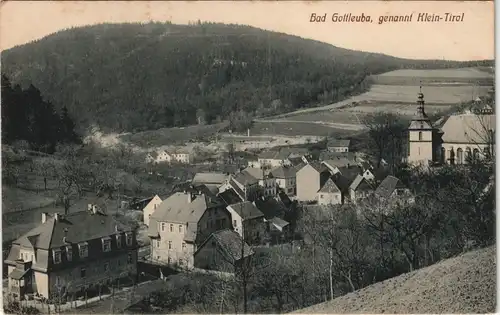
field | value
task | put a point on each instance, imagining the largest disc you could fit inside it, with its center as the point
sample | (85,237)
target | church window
(420,136)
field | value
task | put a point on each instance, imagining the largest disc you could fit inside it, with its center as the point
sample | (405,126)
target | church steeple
(421,103)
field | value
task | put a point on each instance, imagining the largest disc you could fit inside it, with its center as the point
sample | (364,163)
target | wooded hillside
(132,77)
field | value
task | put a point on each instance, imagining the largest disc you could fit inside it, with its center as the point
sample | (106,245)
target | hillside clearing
(464,284)
(15,199)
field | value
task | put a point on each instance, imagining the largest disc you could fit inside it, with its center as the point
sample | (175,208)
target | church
(451,140)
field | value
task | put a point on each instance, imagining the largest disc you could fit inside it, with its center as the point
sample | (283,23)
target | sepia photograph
(248,157)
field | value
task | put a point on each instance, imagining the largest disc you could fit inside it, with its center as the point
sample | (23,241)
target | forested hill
(131,77)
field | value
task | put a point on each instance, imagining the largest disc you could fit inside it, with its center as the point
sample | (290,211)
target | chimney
(116,228)
(190,197)
(65,240)
(248,132)
(44,217)
(57,216)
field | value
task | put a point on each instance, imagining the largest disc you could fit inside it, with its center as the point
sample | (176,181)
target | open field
(443,88)
(294,128)
(461,285)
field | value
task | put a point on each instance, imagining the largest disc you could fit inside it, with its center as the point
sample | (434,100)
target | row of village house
(252,206)
(205,225)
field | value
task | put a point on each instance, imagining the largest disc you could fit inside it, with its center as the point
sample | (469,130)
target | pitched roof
(279,222)
(284,172)
(209,178)
(360,183)
(339,162)
(244,179)
(351,172)
(254,172)
(153,154)
(296,160)
(388,185)
(283,153)
(229,196)
(177,208)
(76,227)
(326,155)
(338,143)
(468,128)
(271,207)
(231,243)
(246,210)
(342,182)
(319,167)
(329,187)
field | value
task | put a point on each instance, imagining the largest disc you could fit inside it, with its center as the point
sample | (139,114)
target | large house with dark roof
(266,181)
(182,222)
(69,254)
(222,251)
(248,221)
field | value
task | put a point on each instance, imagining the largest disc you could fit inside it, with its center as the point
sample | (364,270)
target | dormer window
(129,239)
(106,244)
(57,256)
(69,253)
(119,241)
(83,249)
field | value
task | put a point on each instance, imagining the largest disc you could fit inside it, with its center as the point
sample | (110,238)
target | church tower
(422,135)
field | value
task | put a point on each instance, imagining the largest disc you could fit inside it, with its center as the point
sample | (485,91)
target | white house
(150,209)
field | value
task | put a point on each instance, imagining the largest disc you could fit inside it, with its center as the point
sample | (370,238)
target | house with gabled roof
(209,178)
(181,222)
(360,188)
(335,145)
(310,179)
(248,221)
(222,251)
(70,254)
(286,178)
(244,184)
(266,180)
(393,189)
(329,194)
(150,209)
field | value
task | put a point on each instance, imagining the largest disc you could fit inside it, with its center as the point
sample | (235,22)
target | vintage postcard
(248,157)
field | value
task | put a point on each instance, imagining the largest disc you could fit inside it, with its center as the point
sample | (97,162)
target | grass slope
(135,77)
(464,284)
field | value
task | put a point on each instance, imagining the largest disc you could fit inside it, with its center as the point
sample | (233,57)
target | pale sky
(472,39)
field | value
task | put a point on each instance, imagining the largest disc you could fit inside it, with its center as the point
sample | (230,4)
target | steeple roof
(421,120)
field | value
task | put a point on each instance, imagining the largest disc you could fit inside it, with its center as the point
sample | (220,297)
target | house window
(119,241)
(183,246)
(154,206)
(171,227)
(106,244)
(169,260)
(83,273)
(57,256)
(106,266)
(129,239)
(69,253)
(129,258)
(181,262)
(180,228)
(420,135)
(163,227)
(169,244)
(83,250)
